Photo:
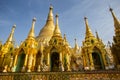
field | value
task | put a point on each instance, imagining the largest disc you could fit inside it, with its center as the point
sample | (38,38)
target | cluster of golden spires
(48,30)
(49,43)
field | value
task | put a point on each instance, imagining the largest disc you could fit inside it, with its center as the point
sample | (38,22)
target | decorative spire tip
(75,39)
(56,15)
(96,32)
(85,18)
(14,26)
(34,19)
(64,35)
(51,7)
(111,9)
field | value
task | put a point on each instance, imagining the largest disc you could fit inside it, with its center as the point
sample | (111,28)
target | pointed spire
(88,30)
(65,40)
(65,37)
(50,14)
(116,21)
(10,38)
(108,44)
(76,45)
(97,36)
(31,33)
(57,29)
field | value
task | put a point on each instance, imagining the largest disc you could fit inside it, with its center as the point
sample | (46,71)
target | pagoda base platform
(82,75)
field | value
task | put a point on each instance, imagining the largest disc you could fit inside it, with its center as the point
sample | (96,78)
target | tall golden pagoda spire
(28,49)
(10,38)
(57,31)
(116,40)
(116,21)
(31,33)
(47,31)
(88,30)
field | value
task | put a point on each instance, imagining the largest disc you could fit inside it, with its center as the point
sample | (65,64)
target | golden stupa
(51,52)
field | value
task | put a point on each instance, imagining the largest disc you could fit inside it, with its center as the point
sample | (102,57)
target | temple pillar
(48,59)
(104,61)
(25,63)
(1,62)
(14,63)
(30,61)
(15,60)
(87,60)
(84,61)
(68,62)
(34,61)
(42,57)
(11,62)
(26,58)
(91,62)
(61,57)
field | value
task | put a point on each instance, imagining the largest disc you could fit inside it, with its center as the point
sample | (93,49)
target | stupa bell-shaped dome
(47,31)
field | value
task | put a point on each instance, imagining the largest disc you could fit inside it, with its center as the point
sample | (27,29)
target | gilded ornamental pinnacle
(76,45)
(57,29)
(88,30)
(10,38)
(116,21)
(50,15)
(31,33)
(97,36)
(34,19)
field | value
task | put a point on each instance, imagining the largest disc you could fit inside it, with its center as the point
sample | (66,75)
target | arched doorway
(97,60)
(20,61)
(55,61)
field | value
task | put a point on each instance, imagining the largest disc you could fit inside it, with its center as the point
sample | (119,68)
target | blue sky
(71,17)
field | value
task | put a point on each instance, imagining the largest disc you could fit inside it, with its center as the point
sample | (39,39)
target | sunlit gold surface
(50,51)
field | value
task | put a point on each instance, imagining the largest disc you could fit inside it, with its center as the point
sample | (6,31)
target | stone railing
(84,75)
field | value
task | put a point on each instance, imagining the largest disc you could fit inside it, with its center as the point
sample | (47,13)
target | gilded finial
(64,35)
(57,29)
(50,14)
(116,21)
(31,33)
(75,40)
(10,38)
(34,19)
(88,30)
(14,26)
(56,15)
(97,35)
(76,45)
(57,19)
(85,18)
(65,40)
(51,7)
(111,9)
